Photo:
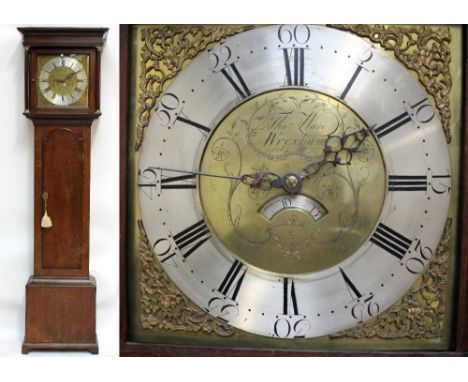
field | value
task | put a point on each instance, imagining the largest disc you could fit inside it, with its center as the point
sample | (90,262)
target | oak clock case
(294,182)
(62,99)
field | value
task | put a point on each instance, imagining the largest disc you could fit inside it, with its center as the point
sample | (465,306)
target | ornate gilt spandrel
(166,51)
(423,49)
(164,306)
(420,313)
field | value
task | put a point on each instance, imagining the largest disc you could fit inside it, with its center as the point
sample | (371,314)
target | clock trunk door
(63,179)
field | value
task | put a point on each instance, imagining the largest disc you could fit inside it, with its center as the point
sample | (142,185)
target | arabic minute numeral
(415,264)
(290,324)
(162,248)
(187,241)
(365,308)
(166,109)
(365,57)
(421,112)
(294,34)
(169,111)
(219,56)
(226,307)
(440,184)
(291,327)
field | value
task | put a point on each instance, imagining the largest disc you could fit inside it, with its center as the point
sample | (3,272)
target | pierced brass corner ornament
(164,306)
(423,49)
(420,313)
(166,51)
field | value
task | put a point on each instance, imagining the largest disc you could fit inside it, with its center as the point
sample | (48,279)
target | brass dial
(286,132)
(62,80)
(294,181)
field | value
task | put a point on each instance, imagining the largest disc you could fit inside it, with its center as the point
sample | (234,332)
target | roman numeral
(407,183)
(402,119)
(296,76)
(231,284)
(239,86)
(351,82)
(365,57)
(178,182)
(192,123)
(391,241)
(289,297)
(167,182)
(353,291)
(392,125)
(192,238)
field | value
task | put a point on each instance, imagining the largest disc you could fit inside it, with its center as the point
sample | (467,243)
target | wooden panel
(124,97)
(60,311)
(59,37)
(62,170)
(461,339)
(63,175)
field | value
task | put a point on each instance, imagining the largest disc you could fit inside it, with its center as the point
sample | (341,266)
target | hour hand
(338,151)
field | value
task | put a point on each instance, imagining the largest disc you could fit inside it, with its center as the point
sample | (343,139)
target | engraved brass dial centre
(284,132)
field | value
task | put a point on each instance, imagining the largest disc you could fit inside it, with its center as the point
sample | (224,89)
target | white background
(16,196)
(16,186)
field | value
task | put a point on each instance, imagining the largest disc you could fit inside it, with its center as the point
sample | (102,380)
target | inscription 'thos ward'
(287,125)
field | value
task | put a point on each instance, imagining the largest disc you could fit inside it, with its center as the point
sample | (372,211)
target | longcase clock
(62,75)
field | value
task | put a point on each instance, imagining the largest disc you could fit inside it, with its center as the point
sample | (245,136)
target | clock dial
(294,181)
(63,80)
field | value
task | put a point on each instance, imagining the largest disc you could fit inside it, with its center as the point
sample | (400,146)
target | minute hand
(197,173)
(263,181)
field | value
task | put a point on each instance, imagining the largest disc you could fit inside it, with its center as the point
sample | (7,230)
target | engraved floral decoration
(423,49)
(166,51)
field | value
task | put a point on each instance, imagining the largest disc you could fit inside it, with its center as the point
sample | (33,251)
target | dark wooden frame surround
(459,346)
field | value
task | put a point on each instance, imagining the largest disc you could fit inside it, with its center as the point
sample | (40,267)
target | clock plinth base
(60,314)
(90,347)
